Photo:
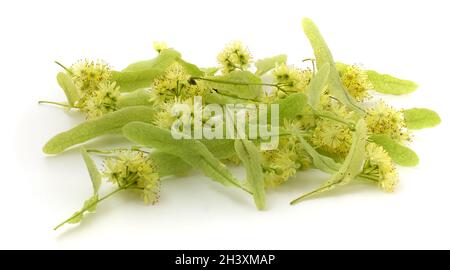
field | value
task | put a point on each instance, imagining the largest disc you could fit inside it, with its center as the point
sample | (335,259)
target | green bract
(292,106)
(318,86)
(90,204)
(251,158)
(352,166)
(66,83)
(192,152)
(94,173)
(170,164)
(132,80)
(388,84)
(401,154)
(93,128)
(324,57)
(265,65)
(162,61)
(240,84)
(418,118)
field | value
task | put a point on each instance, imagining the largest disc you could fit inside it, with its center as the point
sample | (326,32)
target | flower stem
(85,208)
(107,152)
(234,82)
(66,69)
(335,118)
(62,104)
(312,193)
(313,62)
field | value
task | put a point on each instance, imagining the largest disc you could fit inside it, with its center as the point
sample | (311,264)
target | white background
(405,38)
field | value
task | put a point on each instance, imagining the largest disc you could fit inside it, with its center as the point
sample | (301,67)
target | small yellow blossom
(234,56)
(332,136)
(174,83)
(102,101)
(291,79)
(160,46)
(380,165)
(134,170)
(87,74)
(165,116)
(383,119)
(282,163)
(356,81)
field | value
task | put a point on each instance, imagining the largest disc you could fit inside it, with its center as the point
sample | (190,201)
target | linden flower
(134,170)
(165,116)
(356,81)
(282,163)
(87,74)
(159,46)
(234,56)
(380,166)
(174,83)
(102,101)
(332,136)
(291,79)
(383,119)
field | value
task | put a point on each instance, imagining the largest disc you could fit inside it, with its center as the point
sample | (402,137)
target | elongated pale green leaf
(221,99)
(318,85)
(209,71)
(168,164)
(70,90)
(267,64)
(292,106)
(89,205)
(352,166)
(400,154)
(240,84)
(141,74)
(321,162)
(388,84)
(418,118)
(251,158)
(162,61)
(190,68)
(94,173)
(220,148)
(323,55)
(354,162)
(192,152)
(140,97)
(133,80)
(90,129)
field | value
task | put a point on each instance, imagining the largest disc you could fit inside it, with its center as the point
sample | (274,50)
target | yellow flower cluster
(98,95)
(165,116)
(291,79)
(383,119)
(356,81)
(136,171)
(87,74)
(282,163)
(102,101)
(174,84)
(234,56)
(380,166)
(332,136)
(159,46)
